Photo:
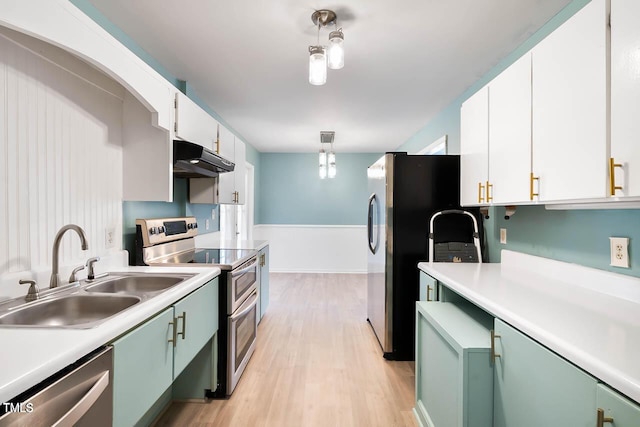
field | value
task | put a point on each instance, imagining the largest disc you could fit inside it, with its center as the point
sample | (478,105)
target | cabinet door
(264,280)
(142,368)
(534,387)
(240,171)
(193,124)
(197,321)
(474,148)
(570,107)
(623,412)
(231,185)
(625,95)
(510,133)
(227,141)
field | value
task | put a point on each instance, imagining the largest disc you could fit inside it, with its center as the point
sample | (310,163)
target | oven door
(241,340)
(241,282)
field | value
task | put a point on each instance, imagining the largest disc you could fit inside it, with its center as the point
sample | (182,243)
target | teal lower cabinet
(150,357)
(453,371)
(263,262)
(534,387)
(615,410)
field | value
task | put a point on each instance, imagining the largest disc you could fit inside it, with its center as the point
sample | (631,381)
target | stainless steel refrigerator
(405,191)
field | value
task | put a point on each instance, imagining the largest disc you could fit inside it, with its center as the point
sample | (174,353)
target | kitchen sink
(136,284)
(69,311)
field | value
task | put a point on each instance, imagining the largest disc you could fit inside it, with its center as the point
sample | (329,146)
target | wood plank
(317,363)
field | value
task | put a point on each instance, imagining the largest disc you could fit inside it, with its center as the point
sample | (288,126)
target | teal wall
(577,236)
(292,192)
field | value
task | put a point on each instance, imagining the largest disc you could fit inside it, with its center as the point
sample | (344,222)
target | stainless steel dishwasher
(79,395)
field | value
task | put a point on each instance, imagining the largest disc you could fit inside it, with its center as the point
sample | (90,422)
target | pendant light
(327,160)
(321,57)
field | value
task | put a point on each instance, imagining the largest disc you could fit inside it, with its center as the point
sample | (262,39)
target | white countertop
(590,317)
(30,355)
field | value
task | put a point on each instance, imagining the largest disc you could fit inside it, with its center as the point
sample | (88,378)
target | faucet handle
(72,277)
(90,269)
(33,293)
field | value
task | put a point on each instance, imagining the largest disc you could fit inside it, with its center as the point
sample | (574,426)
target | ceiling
(404,61)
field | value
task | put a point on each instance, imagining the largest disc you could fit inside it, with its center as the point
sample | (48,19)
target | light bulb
(335,52)
(322,158)
(317,65)
(331,157)
(323,171)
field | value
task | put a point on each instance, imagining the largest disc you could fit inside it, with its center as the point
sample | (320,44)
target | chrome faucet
(55,276)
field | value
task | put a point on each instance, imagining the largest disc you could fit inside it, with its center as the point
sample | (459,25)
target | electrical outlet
(503,236)
(109,237)
(213,214)
(619,251)
(206,224)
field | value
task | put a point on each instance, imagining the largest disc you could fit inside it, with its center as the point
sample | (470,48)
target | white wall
(60,159)
(315,248)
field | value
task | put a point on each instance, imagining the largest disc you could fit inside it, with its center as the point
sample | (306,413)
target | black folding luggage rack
(454,251)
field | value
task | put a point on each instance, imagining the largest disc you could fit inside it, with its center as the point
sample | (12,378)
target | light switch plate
(109,237)
(619,251)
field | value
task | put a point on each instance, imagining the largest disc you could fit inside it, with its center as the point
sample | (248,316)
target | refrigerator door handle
(372,248)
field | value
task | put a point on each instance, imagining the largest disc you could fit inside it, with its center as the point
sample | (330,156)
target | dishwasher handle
(78,410)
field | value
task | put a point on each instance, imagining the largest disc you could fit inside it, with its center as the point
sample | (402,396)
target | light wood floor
(317,363)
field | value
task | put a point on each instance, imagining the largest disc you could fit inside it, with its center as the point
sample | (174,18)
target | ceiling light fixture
(318,61)
(327,160)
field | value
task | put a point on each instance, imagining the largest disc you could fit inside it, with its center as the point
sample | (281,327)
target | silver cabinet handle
(494,355)
(174,331)
(74,414)
(184,324)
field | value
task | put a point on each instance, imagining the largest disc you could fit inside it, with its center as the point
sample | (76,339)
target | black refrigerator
(405,191)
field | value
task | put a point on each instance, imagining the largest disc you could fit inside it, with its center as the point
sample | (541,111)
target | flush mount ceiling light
(327,159)
(321,57)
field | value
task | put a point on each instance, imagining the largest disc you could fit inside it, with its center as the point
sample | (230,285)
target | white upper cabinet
(193,124)
(474,149)
(231,185)
(226,143)
(625,97)
(510,134)
(570,136)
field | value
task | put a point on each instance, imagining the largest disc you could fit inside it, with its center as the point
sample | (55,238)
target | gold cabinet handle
(174,331)
(183,316)
(489,187)
(428,293)
(601,419)
(494,355)
(612,176)
(480,196)
(531,179)
(218,139)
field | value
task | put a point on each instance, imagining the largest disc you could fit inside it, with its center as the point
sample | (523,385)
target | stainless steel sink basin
(136,284)
(73,310)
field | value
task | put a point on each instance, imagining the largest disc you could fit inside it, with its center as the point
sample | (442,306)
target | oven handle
(250,302)
(253,265)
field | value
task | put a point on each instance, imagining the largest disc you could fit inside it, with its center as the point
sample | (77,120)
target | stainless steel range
(171,242)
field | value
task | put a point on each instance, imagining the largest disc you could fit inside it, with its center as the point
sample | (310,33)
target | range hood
(195,161)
